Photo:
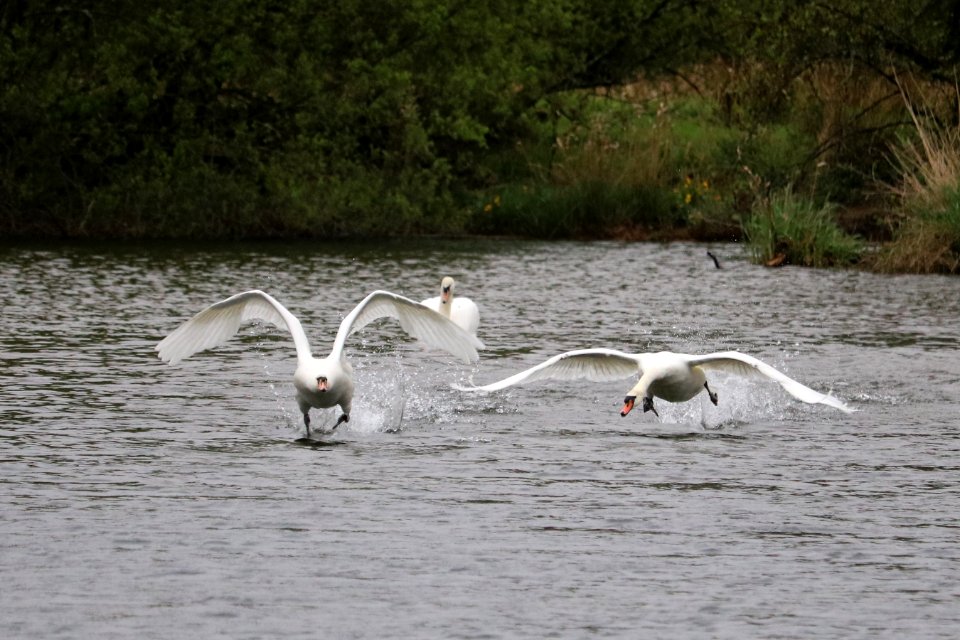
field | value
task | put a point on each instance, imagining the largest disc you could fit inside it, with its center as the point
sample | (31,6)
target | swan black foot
(306,422)
(713,396)
(648,406)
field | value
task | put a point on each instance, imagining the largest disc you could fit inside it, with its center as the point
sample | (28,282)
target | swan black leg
(306,422)
(343,418)
(648,406)
(713,396)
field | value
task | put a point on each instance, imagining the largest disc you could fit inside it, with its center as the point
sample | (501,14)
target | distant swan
(674,377)
(462,311)
(320,382)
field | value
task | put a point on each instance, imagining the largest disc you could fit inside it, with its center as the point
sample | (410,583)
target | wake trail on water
(393,392)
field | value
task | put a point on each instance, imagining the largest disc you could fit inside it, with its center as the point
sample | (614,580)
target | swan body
(320,382)
(462,311)
(674,377)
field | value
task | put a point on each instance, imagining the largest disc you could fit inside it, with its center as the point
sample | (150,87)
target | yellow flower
(496,200)
(706,185)
(487,208)
(687,198)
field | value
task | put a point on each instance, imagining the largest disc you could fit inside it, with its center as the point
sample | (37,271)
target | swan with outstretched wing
(674,377)
(320,382)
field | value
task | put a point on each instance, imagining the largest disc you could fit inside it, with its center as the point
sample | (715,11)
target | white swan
(320,382)
(675,377)
(463,311)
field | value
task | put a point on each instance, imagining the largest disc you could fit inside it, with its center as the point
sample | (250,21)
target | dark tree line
(260,117)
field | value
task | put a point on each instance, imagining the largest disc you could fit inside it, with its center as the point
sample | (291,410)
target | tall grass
(639,159)
(697,156)
(853,114)
(927,242)
(787,229)
(619,169)
(927,239)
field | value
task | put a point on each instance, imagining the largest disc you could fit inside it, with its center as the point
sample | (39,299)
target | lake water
(144,500)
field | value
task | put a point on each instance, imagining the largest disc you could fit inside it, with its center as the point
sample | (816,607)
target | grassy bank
(843,163)
(787,229)
(927,231)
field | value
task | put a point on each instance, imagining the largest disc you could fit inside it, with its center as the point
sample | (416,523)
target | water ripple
(145,500)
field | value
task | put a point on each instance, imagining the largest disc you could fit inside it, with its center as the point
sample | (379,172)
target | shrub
(789,230)
(927,239)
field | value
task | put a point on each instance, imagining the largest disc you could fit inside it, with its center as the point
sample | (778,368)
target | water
(144,500)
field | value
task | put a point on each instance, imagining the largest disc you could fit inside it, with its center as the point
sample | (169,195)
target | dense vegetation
(552,118)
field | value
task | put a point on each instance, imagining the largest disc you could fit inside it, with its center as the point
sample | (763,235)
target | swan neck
(446,306)
(640,389)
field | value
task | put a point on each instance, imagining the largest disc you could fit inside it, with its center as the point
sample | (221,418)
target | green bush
(789,230)
(927,241)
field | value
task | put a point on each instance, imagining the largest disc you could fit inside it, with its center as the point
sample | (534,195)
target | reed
(788,229)
(927,237)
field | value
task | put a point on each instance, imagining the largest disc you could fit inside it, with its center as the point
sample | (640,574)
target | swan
(462,311)
(320,382)
(674,377)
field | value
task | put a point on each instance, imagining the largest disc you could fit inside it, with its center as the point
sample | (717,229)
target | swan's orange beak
(445,295)
(322,384)
(627,405)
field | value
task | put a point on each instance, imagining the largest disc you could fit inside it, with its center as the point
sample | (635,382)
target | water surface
(144,500)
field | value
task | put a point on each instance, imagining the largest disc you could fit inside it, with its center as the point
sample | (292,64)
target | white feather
(744,365)
(320,382)
(219,322)
(597,365)
(675,377)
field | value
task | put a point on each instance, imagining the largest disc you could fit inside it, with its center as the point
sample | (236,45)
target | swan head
(322,377)
(446,290)
(629,401)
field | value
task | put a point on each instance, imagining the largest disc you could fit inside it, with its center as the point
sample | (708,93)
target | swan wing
(219,322)
(744,365)
(463,311)
(597,365)
(433,303)
(417,320)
